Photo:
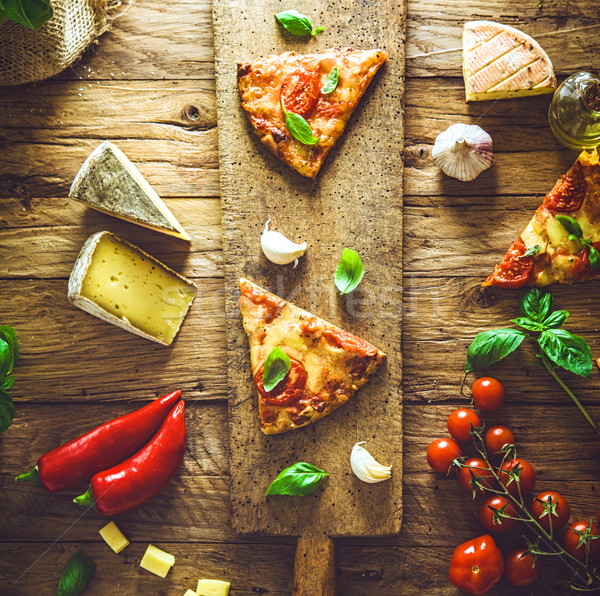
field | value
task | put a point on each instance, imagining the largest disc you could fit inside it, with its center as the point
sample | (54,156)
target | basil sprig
(558,348)
(349,272)
(532,251)
(276,367)
(76,575)
(333,78)
(298,480)
(9,353)
(29,13)
(297,23)
(576,235)
(299,128)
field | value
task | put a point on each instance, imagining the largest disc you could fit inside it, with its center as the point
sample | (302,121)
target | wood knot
(191,113)
(484,297)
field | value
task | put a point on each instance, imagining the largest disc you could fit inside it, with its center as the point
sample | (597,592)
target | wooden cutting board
(355,202)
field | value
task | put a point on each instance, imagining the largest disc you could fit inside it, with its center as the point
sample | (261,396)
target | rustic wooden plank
(117,363)
(254,187)
(434,32)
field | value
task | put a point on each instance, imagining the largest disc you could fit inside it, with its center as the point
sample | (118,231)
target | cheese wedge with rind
(121,284)
(110,183)
(501,62)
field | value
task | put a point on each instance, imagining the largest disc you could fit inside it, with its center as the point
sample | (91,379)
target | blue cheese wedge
(110,183)
(123,285)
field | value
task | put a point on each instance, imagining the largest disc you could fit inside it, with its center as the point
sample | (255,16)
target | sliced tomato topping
(300,92)
(583,267)
(348,341)
(514,270)
(568,193)
(289,390)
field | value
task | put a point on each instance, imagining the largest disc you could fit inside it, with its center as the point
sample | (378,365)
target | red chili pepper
(476,565)
(73,464)
(144,474)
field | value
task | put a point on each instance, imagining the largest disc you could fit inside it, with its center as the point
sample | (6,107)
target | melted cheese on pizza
(336,362)
(261,82)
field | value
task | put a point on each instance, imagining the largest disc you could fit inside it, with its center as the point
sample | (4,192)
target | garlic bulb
(463,151)
(366,467)
(278,249)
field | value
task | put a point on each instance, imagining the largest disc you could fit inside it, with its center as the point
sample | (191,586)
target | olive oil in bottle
(574,113)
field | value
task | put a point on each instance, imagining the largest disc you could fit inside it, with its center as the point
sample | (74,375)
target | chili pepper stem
(86,499)
(32,476)
(548,366)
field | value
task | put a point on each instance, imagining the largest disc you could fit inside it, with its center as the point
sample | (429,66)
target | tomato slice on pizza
(327,364)
(297,81)
(561,243)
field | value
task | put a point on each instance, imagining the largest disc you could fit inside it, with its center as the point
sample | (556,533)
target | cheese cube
(190,593)
(121,284)
(114,537)
(157,561)
(212,587)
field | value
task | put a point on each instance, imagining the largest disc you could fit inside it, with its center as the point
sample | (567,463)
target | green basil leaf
(8,335)
(298,480)
(573,238)
(594,258)
(527,323)
(569,351)
(29,13)
(571,225)
(532,251)
(556,319)
(7,410)
(299,128)
(7,383)
(6,359)
(349,272)
(76,575)
(331,82)
(276,368)
(297,23)
(489,347)
(535,303)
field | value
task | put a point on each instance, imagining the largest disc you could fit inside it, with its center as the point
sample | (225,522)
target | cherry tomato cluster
(477,565)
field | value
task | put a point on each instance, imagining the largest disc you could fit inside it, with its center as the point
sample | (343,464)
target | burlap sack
(27,56)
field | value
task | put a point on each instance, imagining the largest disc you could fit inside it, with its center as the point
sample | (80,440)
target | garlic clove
(463,151)
(278,249)
(365,467)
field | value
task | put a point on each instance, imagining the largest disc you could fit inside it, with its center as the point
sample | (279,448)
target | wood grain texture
(330,213)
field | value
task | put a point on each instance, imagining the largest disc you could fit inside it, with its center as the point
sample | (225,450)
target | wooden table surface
(149,86)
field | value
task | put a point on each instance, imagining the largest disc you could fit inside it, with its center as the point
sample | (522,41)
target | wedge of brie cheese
(110,183)
(502,62)
(121,284)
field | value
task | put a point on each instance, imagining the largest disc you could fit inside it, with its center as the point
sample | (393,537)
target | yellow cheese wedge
(123,285)
(212,587)
(501,62)
(157,561)
(114,537)
(110,183)
(190,593)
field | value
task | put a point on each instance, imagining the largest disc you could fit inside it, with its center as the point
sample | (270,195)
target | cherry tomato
(574,543)
(289,390)
(582,266)
(300,92)
(500,503)
(488,394)
(526,476)
(568,193)
(558,512)
(460,421)
(519,568)
(473,464)
(514,270)
(498,436)
(441,453)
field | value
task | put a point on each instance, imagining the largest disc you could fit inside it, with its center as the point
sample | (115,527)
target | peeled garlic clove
(366,467)
(463,151)
(278,249)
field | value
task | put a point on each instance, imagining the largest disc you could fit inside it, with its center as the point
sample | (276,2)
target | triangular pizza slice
(561,243)
(307,86)
(327,364)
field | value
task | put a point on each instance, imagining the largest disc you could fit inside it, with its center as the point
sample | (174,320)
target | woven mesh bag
(27,56)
